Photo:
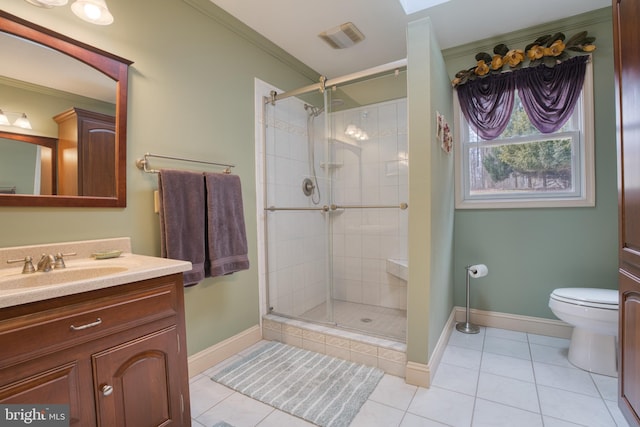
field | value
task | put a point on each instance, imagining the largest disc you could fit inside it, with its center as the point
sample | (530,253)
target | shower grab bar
(401,206)
(144,162)
(326,208)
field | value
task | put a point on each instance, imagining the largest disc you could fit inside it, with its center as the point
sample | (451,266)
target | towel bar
(143,163)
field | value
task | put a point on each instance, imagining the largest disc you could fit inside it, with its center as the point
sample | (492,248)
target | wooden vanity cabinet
(116,356)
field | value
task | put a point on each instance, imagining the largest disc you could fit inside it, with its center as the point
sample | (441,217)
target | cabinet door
(630,347)
(626,15)
(57,386)
(627,48)
(96,158)
(135,385)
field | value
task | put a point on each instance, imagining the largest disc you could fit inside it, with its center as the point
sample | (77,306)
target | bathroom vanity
(111,346)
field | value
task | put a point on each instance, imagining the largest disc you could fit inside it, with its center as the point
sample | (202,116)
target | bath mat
(321,389)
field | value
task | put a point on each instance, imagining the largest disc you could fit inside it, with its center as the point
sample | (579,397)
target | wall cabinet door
(626,15)
(134,386)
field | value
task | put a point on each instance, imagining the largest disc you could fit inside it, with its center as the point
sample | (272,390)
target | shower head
(313,110)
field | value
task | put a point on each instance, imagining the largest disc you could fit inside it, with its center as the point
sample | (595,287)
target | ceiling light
(412,6)
(94,11)
(22,122)
(345,35)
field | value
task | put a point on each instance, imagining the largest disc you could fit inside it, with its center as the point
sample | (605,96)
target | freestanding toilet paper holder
(467,327)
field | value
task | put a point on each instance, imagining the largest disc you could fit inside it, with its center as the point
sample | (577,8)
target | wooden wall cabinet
(86,153)
(626,41)
(116,356)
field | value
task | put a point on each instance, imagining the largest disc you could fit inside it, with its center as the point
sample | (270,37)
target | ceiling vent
(343,36)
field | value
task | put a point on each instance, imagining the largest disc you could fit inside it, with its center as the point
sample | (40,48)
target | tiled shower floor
(381,321)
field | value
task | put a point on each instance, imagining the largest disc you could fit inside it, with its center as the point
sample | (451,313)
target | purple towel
(227,239)
(182,220)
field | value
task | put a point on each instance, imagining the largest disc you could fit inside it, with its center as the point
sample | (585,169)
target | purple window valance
(487,103)
(548,96)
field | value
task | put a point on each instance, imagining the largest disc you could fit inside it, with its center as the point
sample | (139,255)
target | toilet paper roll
(478,270)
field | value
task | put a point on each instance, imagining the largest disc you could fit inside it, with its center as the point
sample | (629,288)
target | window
(525,168)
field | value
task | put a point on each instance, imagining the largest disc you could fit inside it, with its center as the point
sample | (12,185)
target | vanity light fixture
(356,133)
(4,120)
(94,11)
(22,121)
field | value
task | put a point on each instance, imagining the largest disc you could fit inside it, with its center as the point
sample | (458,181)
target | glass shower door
(296,211)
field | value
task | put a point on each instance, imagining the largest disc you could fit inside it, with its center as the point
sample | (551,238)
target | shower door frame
(273,99)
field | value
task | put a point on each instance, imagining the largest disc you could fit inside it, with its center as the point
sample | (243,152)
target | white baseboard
(215,354)
(514,322)
(417,374)
(420,374)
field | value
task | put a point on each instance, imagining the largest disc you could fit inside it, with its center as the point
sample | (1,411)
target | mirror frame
(111,65)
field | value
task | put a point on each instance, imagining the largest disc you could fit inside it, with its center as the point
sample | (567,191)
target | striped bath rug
(321,389)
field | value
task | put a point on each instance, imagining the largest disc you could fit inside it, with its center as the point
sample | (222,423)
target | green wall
(191,94)
(430,293)
(18,165)
(530,252)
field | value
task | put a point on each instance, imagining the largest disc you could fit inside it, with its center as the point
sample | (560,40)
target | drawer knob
(106,390)
(88,325)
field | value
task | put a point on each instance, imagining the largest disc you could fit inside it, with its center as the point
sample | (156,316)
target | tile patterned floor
(495,378)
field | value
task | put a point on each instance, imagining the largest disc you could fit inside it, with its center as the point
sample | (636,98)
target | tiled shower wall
(371,172)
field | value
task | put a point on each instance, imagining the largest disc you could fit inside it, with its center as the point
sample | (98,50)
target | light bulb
(22,122)
(4,120)
(92,11)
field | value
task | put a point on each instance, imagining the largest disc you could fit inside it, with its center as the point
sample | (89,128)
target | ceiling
(294,25)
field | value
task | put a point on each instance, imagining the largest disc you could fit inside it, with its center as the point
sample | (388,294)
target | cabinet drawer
(44,331)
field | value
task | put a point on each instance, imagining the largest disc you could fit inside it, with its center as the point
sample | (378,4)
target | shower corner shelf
(350,144)
(331,165)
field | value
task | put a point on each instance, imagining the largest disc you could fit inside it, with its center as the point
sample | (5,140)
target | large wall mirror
(75,98)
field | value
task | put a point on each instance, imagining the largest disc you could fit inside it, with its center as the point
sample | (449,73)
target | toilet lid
(603,298)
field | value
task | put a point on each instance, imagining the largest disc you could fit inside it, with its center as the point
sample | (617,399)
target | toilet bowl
(593,313)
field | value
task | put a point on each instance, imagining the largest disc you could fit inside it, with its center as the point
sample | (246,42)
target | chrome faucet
(46,263)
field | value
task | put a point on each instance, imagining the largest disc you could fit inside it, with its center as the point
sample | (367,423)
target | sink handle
(28,264)
(88,325)
(59,260)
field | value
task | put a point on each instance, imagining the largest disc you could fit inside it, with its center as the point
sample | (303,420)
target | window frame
(585,178)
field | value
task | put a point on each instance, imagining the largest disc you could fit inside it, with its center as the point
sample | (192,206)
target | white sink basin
(17,280)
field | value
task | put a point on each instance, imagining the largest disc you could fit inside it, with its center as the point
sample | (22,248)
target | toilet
(593,313)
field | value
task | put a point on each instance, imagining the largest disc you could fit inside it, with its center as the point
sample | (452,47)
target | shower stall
(333,196)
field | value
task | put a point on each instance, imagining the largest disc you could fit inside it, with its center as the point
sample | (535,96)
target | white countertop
(135,268)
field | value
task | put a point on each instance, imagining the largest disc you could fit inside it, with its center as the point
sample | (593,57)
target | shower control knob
(308,187)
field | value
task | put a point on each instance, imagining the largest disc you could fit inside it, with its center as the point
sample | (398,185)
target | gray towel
(182,220)
(227,239)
